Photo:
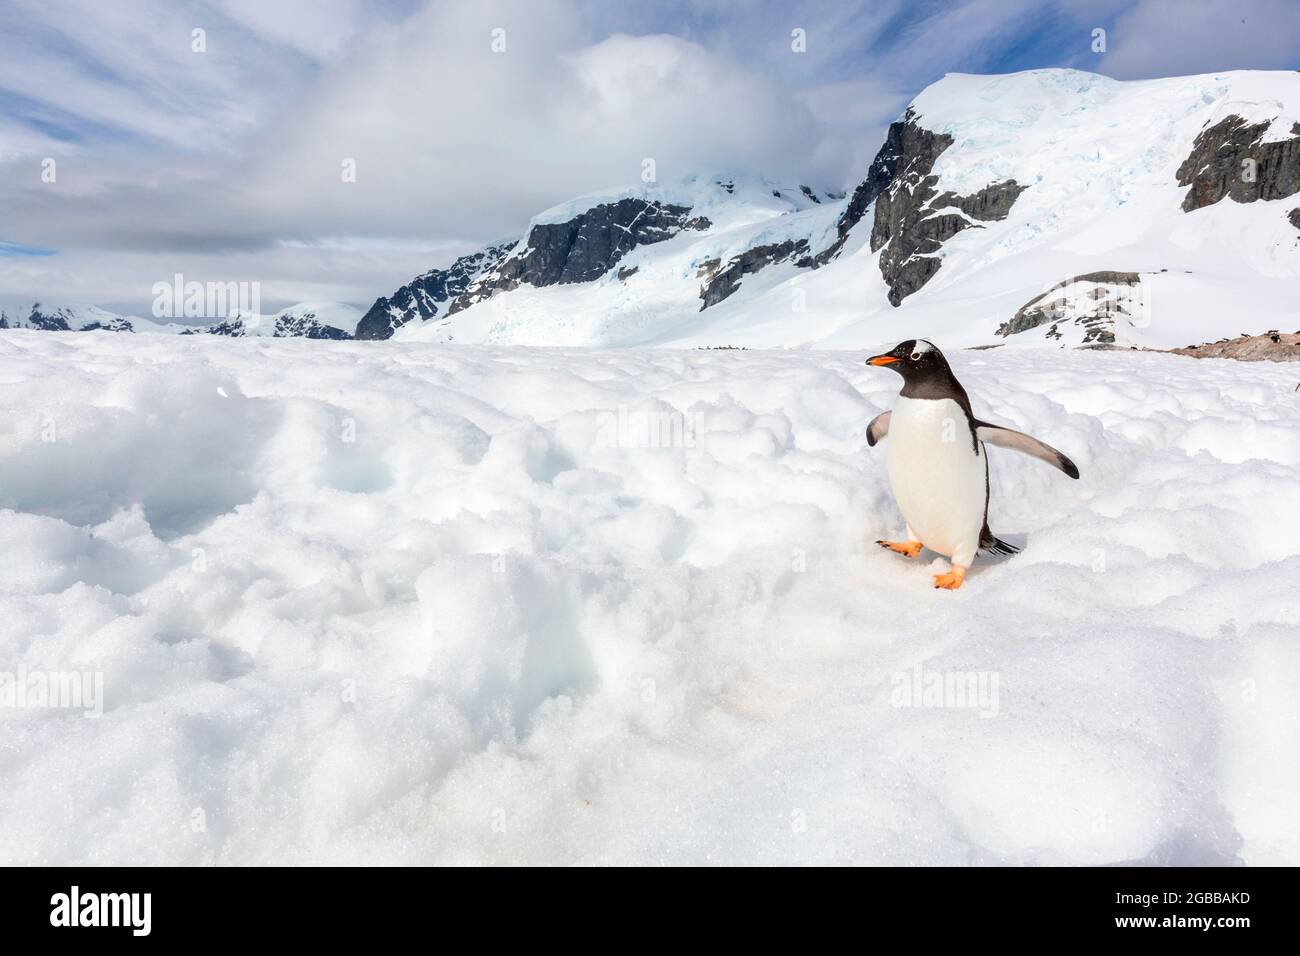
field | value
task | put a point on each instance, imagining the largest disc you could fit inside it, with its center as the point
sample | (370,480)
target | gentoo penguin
(937,466)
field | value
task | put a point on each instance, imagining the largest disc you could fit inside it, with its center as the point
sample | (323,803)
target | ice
(398,602)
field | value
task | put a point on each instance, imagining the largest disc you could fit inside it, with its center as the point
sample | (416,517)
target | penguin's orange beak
(881,360)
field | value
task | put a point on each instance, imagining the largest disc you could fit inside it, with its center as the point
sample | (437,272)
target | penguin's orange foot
(909,548)
(952,580)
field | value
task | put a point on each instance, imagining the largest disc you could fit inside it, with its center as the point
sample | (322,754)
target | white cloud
(230,160)
(451,141)
(1179,37)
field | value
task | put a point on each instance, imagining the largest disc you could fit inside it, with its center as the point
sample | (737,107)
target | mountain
(322,320)
(581,242)
(72,318)
(1050,207)
(1046,208)
(327,320)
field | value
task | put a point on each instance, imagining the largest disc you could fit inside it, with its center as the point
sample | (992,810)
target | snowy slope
(1099,165)
(651,287)
(465,604)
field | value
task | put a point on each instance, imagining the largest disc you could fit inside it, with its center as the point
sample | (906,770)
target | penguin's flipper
(1019,441)
(878,428)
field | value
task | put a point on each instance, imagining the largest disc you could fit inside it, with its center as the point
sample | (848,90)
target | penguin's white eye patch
(915,356)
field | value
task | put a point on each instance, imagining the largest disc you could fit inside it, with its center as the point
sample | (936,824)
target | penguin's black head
(915,360)
(925,371)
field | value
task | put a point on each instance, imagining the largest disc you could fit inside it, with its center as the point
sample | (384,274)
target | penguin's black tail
(994,545)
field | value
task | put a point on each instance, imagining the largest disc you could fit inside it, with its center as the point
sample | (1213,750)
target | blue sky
(223,163)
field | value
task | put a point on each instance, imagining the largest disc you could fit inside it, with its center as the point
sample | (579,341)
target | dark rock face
(1107,301)
(584,248)
(427,295)
(63,320)
(905,142)
(231,327)
(722,282)
(581,249)
(305,325)
(112,325)
(1294,217)
(909,225)
(53,322)
(1218,165)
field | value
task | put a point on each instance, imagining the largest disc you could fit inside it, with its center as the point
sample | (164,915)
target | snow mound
(402,603)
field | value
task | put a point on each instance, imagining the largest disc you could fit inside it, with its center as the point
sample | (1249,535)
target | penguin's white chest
(938,475)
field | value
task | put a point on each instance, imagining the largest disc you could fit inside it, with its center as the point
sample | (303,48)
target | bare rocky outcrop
(580,249)
(912,219)
(585,247)
(1109,298)
(912,223)
(1272,346)
(724,280)
(60,319)
(905,143)
(428,295)
(1231,159)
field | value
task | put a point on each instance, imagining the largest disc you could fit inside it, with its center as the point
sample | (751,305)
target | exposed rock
(909,223)
(903,141)
(583,248)
(303,325)
(67,320)
(428,295)
(54,322)
(307,326)
(1272,346)
(1217,164)
(1095,309)
(580,249)
(625,274)
(1294,217)
(707,270)
(234,328)
(723,282)
(112,325)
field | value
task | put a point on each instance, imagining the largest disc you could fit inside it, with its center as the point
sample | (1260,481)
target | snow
(1100,160)
(726,198)
(395,602)
(339,315)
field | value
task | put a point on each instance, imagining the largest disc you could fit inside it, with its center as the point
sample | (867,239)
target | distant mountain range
(1051,207)
(329,320)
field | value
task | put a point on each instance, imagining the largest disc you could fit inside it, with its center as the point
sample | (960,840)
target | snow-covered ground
(395,602)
